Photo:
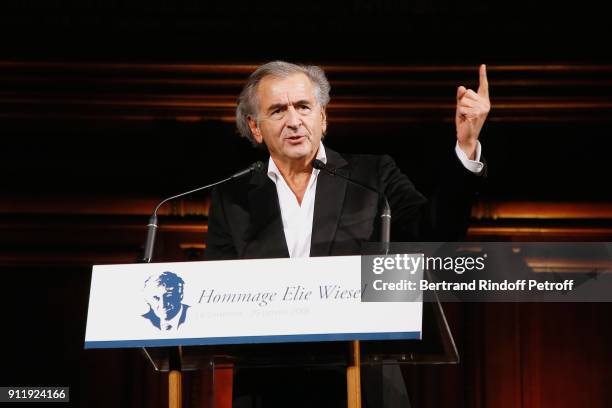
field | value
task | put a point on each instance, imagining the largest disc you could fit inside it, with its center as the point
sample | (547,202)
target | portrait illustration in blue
(164,295)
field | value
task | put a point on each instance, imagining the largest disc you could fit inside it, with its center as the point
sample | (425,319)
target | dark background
(108,106)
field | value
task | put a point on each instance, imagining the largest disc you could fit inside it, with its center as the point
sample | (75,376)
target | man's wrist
(469,148)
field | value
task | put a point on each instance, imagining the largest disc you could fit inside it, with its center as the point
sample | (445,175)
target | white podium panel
(240,301)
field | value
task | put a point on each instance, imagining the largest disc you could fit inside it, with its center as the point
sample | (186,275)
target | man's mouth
(295,139)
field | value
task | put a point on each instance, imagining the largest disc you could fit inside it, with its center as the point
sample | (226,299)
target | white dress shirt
(297,219)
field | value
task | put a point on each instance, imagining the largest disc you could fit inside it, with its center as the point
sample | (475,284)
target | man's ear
(323,120)
(255,129)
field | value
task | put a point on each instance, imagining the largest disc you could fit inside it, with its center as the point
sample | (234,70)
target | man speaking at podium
(295,210)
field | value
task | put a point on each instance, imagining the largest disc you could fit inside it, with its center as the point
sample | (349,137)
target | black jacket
(245,220)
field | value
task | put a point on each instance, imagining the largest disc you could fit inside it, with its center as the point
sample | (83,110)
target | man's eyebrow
(276,106)
(284,105)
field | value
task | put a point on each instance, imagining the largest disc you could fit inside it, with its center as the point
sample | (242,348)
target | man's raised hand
(472,110)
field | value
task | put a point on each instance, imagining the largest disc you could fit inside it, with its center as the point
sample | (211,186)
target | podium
(220,315)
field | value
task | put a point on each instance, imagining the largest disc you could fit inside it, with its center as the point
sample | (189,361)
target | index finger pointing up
(483,86)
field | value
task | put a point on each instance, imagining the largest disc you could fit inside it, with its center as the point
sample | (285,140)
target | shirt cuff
(475,166)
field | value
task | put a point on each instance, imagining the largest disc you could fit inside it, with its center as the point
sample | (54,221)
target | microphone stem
(385,226)
(150,242)
(152,226)
(188,192)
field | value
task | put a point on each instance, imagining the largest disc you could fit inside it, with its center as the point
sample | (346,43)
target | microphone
(385,216)
(257,167)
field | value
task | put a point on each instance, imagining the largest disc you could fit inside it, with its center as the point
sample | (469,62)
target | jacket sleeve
(444,216)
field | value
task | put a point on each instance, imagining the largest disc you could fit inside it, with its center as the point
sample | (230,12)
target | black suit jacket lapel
(264,235)
(329,200)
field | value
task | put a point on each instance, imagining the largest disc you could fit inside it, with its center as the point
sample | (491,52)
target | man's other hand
(472,110)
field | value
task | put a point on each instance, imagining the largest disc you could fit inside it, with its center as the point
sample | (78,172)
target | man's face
(290,120)
(165,301)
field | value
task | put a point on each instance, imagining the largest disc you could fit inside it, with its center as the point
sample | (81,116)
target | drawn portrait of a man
(164,295)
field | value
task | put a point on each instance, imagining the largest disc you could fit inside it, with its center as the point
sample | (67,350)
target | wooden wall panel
(374,94)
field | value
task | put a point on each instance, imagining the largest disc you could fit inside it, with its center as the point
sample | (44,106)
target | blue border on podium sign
(297,338)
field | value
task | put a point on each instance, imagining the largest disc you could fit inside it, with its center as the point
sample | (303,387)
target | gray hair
(248,102)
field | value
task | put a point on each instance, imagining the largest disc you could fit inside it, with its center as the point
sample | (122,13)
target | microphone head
(258,167)
(318,164)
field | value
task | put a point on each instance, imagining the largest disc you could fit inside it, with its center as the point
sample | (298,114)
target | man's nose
(293,118)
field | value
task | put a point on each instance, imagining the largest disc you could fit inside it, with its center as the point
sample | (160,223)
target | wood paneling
(87,230)
(100,205)
(360,93)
